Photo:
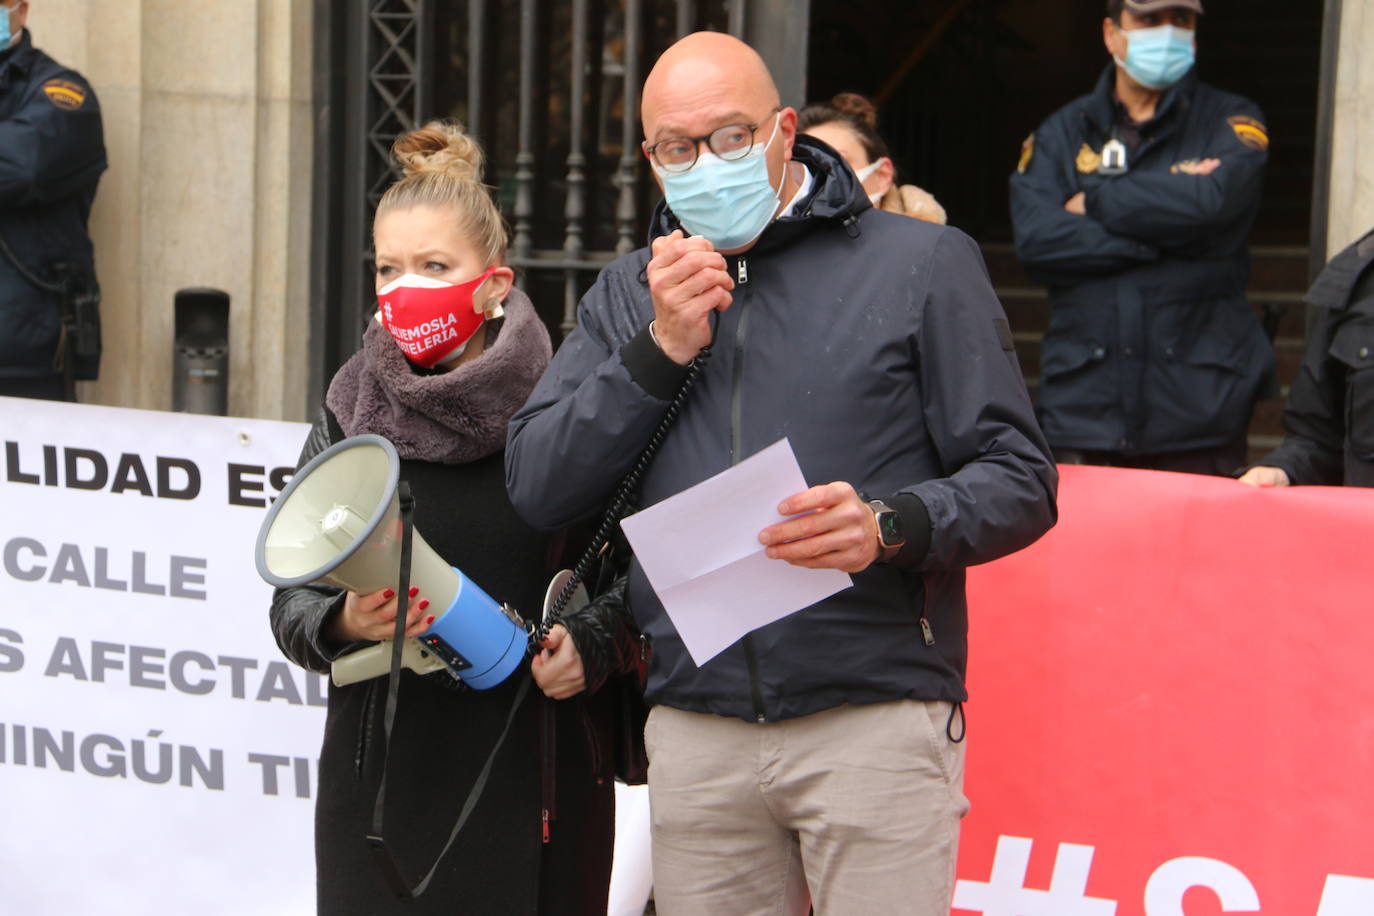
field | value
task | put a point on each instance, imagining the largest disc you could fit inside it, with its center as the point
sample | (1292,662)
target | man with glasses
(819,759)
(52,152)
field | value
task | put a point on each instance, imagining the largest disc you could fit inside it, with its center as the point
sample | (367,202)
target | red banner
(1172,705)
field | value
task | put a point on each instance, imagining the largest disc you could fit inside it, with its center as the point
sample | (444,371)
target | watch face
(890,528)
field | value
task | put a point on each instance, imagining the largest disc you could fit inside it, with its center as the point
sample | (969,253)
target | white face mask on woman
(864,174)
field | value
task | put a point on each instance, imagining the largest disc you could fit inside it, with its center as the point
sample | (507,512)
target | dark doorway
(960,83)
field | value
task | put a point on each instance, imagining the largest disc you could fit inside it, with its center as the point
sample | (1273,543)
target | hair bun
(856,107)
(439,146)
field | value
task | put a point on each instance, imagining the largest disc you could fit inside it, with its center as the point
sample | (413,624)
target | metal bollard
(200,360)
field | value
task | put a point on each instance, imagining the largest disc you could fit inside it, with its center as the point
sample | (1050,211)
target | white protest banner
(157,752)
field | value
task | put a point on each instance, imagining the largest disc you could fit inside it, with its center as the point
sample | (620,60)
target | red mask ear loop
(496,311)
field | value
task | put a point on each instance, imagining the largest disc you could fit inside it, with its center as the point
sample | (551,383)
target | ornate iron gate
(550,87)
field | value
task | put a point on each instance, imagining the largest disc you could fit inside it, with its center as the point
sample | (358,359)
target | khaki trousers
(855,809)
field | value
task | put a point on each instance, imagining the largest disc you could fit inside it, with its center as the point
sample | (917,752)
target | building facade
(248,141)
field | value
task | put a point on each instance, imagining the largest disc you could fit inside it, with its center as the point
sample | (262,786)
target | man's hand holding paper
(702,553)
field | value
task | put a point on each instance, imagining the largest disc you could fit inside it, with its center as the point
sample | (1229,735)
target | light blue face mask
(1159,57)
(4,27)
(729,203)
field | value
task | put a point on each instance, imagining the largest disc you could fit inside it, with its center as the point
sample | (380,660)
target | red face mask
(430,320)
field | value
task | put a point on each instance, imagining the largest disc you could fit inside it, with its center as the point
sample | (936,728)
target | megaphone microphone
(338,523)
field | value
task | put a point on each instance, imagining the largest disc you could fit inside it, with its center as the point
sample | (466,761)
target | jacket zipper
(927,634)
(548,758)
(736,448)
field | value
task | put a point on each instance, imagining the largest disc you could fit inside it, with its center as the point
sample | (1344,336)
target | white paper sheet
(700,550)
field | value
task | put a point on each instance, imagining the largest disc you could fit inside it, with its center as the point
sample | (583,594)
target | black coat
(1329,418)
(52,152)
(875,344)
(442,735)
(1151,346)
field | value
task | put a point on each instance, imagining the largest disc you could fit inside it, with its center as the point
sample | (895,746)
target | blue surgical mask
(4,27)
(729,203)
(1157,58)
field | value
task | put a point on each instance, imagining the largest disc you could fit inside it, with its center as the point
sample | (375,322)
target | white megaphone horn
(338,523)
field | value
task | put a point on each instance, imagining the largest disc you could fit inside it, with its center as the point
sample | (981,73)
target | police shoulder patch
(1249,131)
(65,94)
(1027,149)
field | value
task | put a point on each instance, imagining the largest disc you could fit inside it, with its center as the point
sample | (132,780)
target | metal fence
(549,87)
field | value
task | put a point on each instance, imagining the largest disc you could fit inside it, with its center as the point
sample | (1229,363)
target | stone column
(207,125)
(1351,201)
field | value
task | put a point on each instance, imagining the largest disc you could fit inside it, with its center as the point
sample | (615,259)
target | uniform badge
(64,94)
(1113,158)
(1087,161)
(1027,148)
(1249,131)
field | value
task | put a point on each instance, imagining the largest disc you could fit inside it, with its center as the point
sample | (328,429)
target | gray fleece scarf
(452,417)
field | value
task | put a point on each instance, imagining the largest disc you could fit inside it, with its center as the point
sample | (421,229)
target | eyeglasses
(731,142)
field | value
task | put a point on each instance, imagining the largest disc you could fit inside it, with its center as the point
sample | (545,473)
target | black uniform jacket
(1151,346)
(52,152)
(875,345)
(1329,418)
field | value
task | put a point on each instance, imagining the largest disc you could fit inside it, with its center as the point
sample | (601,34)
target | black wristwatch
(891,537)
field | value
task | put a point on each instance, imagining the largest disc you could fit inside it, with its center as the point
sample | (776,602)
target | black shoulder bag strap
(375,840)
(620,500)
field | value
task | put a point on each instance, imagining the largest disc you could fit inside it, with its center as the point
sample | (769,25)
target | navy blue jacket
(1151,346)
(875,344)
(1329,418)
(52,152)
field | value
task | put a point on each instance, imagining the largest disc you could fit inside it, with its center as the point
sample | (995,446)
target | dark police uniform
(1329,418)
(1152,350)
(51,155)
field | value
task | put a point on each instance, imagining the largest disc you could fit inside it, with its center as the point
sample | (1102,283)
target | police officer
(52,152)
(1132,204)
(1329,418)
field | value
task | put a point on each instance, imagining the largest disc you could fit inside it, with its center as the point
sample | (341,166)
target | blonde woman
(454,350)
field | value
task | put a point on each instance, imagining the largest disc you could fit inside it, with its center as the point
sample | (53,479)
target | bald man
(52,152)
(819,758)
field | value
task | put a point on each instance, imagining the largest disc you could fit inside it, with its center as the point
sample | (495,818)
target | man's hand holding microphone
(688,280)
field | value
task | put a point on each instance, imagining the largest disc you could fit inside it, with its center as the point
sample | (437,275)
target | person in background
(52,152)
(848,122)
(1133,204)
(539,837)
(1328,420)
(818,759)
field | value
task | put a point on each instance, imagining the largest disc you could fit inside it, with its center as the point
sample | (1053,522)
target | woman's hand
(558,669)
(373,616)
(1264,476)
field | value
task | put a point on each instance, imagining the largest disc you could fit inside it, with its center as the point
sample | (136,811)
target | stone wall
(208,126)
(1352,176)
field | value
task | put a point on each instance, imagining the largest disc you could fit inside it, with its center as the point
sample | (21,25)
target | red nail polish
(429,620)
(389,593)
(424,603)
(414,590)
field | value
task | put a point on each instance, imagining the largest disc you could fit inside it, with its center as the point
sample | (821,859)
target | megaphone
(338,523)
